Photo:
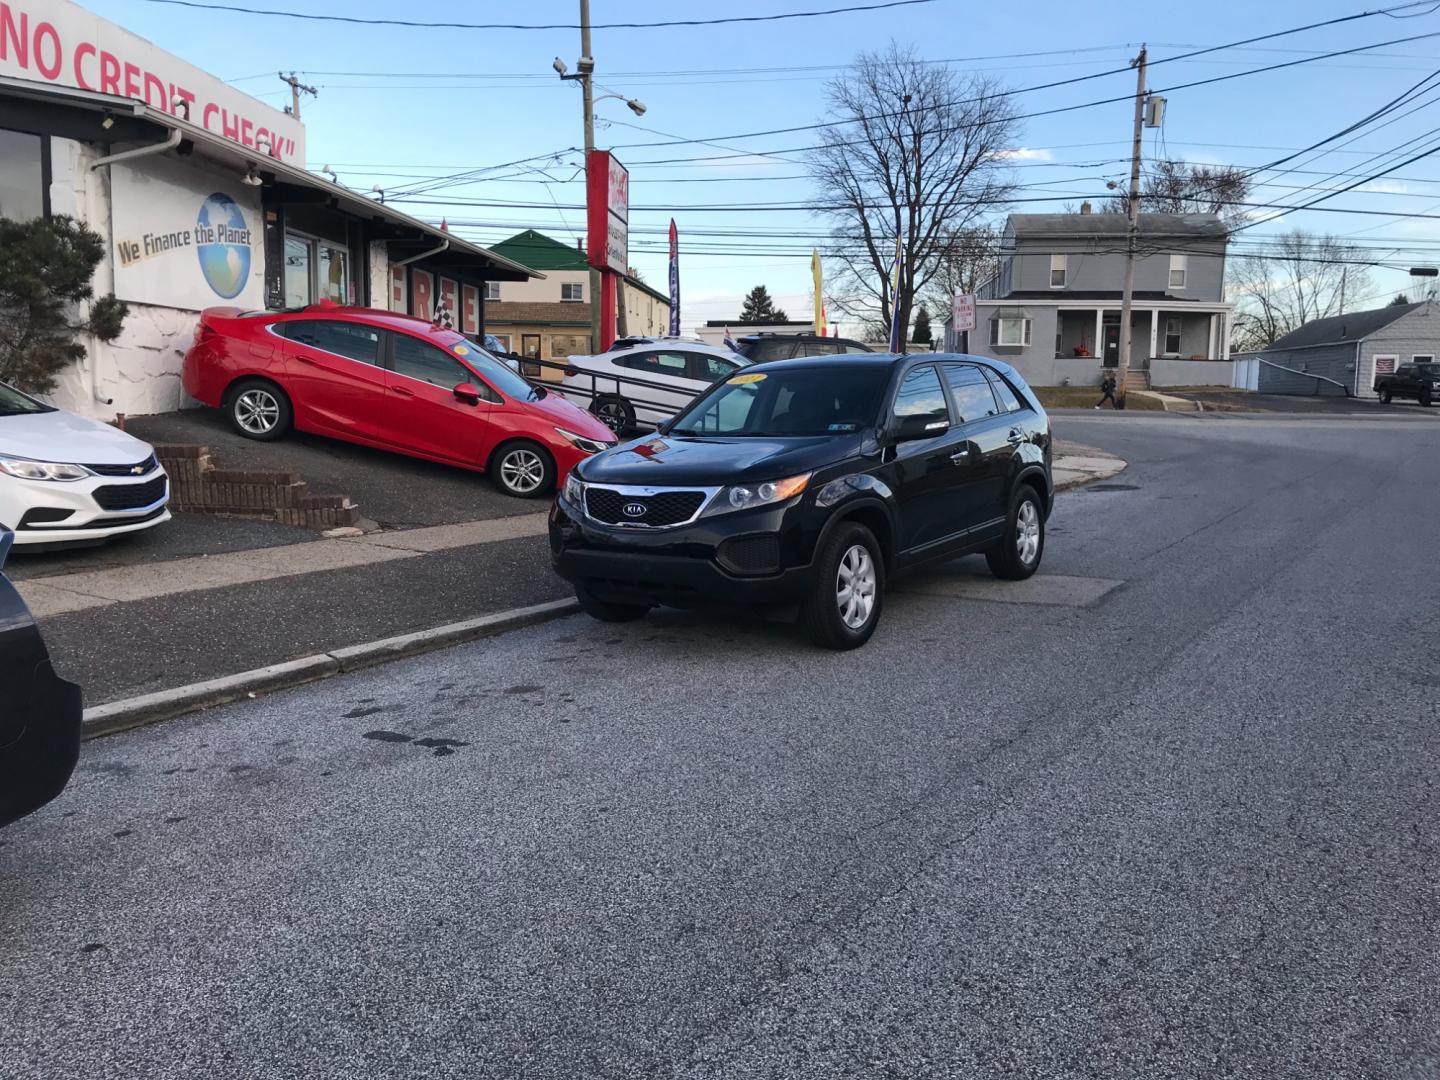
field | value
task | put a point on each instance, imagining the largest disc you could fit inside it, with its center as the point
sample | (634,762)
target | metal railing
(593,386)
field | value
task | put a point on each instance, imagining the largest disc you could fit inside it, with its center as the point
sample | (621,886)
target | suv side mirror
(468,393)
(924,426)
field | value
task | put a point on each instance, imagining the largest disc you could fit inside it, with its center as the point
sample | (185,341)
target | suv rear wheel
(848,592)
(1425,396)
(1018,553)
(1385,396)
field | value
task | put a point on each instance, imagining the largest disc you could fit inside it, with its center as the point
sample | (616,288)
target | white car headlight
(574,491)
(746,496)
(24,469)
(580,442)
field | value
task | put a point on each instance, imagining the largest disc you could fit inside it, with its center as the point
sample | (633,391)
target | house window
(1177,271)
(1422,358)
(22,175)
(1057,271)
(492,290)
(1172,336)
(572,291)
(1013,330)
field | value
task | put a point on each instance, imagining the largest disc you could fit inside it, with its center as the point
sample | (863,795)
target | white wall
(138,372)
(546,291)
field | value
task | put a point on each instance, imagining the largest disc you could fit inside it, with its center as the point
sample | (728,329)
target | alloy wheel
(612,415)
(1027,532)
(257,411)
(855,586)
(522,471)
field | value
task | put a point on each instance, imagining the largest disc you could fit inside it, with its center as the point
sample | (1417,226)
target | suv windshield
(14,403)
(800,401)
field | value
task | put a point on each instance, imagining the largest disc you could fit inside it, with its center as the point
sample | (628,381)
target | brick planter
(197,487)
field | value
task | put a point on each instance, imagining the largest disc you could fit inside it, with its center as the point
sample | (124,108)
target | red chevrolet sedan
(388,381)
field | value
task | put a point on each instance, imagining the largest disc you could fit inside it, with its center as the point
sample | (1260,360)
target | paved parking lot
(1171,814)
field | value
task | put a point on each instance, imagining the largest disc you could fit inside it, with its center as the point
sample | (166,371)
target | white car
(64,478)
(647,381)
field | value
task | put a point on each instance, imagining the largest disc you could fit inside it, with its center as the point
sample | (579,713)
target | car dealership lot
(1179,825)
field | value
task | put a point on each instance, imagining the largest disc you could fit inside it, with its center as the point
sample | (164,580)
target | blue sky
(397,105)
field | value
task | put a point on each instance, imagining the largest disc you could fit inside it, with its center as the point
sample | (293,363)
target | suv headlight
(42,470)
(748,496)
(580,442)
(574,491)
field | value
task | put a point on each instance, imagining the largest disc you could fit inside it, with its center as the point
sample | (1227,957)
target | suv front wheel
(848,591)
(1018,553)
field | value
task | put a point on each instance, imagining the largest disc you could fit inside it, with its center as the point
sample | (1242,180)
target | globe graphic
(225,266)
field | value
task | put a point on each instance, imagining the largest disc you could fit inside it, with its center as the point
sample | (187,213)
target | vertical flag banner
(816,273)
(897,332)
(674,280)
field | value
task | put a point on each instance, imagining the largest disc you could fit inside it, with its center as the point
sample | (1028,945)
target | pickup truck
(1418,381)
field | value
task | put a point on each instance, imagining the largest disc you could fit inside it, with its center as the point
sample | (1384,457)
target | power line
(357,20)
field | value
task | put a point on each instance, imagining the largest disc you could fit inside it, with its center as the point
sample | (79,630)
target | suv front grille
(129,496)
(660,509)
(140,468)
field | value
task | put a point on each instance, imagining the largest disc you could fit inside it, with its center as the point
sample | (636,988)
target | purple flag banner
(674,281)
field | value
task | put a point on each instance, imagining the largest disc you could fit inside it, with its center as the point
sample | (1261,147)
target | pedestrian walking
(1108,389)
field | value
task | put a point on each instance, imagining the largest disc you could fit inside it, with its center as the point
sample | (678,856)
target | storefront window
(22,175)
(315,270)
(334,274)
(562,345)
(297,271)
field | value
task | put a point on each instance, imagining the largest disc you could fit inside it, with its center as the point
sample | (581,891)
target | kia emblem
(635,509)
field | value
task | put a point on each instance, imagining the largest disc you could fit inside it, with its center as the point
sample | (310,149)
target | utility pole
(1132,235)
(585,69)
(296,89)
(1344,274)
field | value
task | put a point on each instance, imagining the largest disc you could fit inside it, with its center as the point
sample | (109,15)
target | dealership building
(202,197)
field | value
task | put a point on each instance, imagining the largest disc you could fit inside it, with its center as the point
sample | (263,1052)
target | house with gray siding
(1342,354)
(1053,310)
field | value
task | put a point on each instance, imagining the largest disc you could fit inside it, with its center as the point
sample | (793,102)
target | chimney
(1085,207)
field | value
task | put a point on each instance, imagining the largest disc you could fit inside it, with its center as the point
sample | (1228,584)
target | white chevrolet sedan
(66,478)
(646,380)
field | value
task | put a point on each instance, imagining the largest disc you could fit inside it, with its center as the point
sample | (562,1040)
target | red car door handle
(305,359)
(401,390)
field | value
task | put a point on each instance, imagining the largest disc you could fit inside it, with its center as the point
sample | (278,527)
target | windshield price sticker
(741,380)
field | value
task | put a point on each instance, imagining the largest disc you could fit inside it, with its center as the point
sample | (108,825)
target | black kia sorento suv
(805,484)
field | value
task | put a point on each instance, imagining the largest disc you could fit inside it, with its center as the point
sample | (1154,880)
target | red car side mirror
(469,393)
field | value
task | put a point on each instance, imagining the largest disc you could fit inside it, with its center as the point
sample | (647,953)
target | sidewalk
(1076,464)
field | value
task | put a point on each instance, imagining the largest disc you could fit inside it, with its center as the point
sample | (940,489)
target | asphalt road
(1186,831)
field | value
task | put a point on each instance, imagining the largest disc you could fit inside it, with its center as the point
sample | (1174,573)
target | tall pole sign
(607,198)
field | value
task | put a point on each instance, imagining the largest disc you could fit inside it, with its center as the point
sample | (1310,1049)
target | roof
(531,248)
(535,249)
(1349,327)
(273,171)
(1112,225)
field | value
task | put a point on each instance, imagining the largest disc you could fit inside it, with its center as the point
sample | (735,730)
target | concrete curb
(163,704)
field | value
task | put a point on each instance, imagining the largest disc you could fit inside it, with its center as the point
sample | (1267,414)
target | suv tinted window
(855,347)
(920,394)
(971,392)
(817,348)
(418,360)
(353,340)
(1009,400)
(767,349)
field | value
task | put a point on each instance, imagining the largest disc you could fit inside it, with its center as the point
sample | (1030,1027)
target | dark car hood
(671,460)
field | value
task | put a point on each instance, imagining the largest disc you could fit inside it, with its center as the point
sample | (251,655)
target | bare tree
(1175,187)
(966,259)
(1295,279)
(920,155)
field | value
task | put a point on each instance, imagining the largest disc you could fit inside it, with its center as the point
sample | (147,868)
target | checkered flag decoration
(444,319)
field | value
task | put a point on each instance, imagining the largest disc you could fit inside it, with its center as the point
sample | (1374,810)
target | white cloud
(1025,153)
(1385,187)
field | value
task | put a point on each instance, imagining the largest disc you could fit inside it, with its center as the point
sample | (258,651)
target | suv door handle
(1015,436)
(960,456)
